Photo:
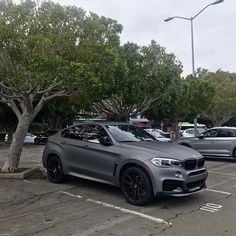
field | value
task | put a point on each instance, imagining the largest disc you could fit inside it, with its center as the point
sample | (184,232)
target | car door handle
(63,142)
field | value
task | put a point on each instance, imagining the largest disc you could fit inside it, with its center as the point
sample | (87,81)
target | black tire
(36,141)
(55,170)
(136,186)
(234,154)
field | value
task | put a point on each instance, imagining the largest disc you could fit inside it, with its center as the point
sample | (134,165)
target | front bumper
(176,180)
(177,187)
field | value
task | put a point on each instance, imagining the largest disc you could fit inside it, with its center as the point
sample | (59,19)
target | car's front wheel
(136,186)
(55,170)
(36,141)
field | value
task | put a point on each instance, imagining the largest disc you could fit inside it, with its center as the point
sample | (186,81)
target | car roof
(224,127)
(193,128)
(102,123)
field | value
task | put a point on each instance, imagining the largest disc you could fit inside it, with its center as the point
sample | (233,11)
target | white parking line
(70,194)
(155,219)
(158,220)
(221,173)
(217,191)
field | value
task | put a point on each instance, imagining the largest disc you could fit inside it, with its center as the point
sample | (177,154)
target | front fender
(51,149)
(132,162)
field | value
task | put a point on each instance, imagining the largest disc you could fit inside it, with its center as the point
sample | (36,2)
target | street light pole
(192,46)
(192,42)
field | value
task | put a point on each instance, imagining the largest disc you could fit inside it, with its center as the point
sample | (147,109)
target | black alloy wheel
(55,170)
(136,186)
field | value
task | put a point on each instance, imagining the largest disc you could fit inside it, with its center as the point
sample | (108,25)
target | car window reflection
(128,133)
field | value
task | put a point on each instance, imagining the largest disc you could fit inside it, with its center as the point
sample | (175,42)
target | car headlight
(165,162)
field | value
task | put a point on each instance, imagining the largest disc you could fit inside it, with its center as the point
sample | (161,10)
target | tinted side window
(226,133)
(211,133)
(75,132)
(94,132)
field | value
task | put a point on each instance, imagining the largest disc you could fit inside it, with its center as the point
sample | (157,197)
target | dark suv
(125,156)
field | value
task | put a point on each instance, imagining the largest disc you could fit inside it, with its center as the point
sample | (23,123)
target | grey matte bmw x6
(125,156)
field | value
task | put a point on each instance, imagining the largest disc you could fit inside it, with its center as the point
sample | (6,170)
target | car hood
(164,149)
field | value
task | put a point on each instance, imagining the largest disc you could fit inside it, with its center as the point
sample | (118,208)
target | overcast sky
(214,29)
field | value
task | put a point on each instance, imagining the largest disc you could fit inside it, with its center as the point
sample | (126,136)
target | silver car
(126,156)
(218,141)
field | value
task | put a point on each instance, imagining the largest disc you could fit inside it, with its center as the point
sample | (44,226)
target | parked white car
(189,133)
(29,138)
(156,133)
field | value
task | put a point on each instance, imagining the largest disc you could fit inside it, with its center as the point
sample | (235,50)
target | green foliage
(59,112)
(142,74)
(38,127)
(41,44)
(33,45)
(186,97)
(222,105)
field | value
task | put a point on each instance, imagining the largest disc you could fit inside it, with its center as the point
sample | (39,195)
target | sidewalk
(31,155)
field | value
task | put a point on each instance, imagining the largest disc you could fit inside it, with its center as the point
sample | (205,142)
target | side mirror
(104,140)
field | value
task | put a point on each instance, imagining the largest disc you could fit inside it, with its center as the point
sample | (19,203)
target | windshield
(129,133)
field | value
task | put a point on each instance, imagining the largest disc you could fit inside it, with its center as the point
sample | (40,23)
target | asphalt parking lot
(81,207)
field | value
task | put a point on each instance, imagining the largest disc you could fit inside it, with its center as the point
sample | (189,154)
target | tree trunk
(176,130)
(13,160)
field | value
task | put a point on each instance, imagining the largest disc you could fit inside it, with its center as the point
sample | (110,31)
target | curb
(22,175)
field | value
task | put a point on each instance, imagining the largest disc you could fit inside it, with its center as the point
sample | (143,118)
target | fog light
(178,175)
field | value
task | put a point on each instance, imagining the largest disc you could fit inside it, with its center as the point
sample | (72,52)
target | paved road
(81,207)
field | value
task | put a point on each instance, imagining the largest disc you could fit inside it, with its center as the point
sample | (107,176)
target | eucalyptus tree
(48,51)
(144,77)
(187,97)
(222,106)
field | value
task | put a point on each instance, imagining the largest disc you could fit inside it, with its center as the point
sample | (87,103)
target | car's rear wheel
(136,186)
(55,170)
(234,153)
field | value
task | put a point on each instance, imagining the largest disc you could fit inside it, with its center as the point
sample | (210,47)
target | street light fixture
(191,20)
(216,2)
(192,44)
(168,19)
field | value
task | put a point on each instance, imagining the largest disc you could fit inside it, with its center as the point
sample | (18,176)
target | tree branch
(15,108)
(46,97)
